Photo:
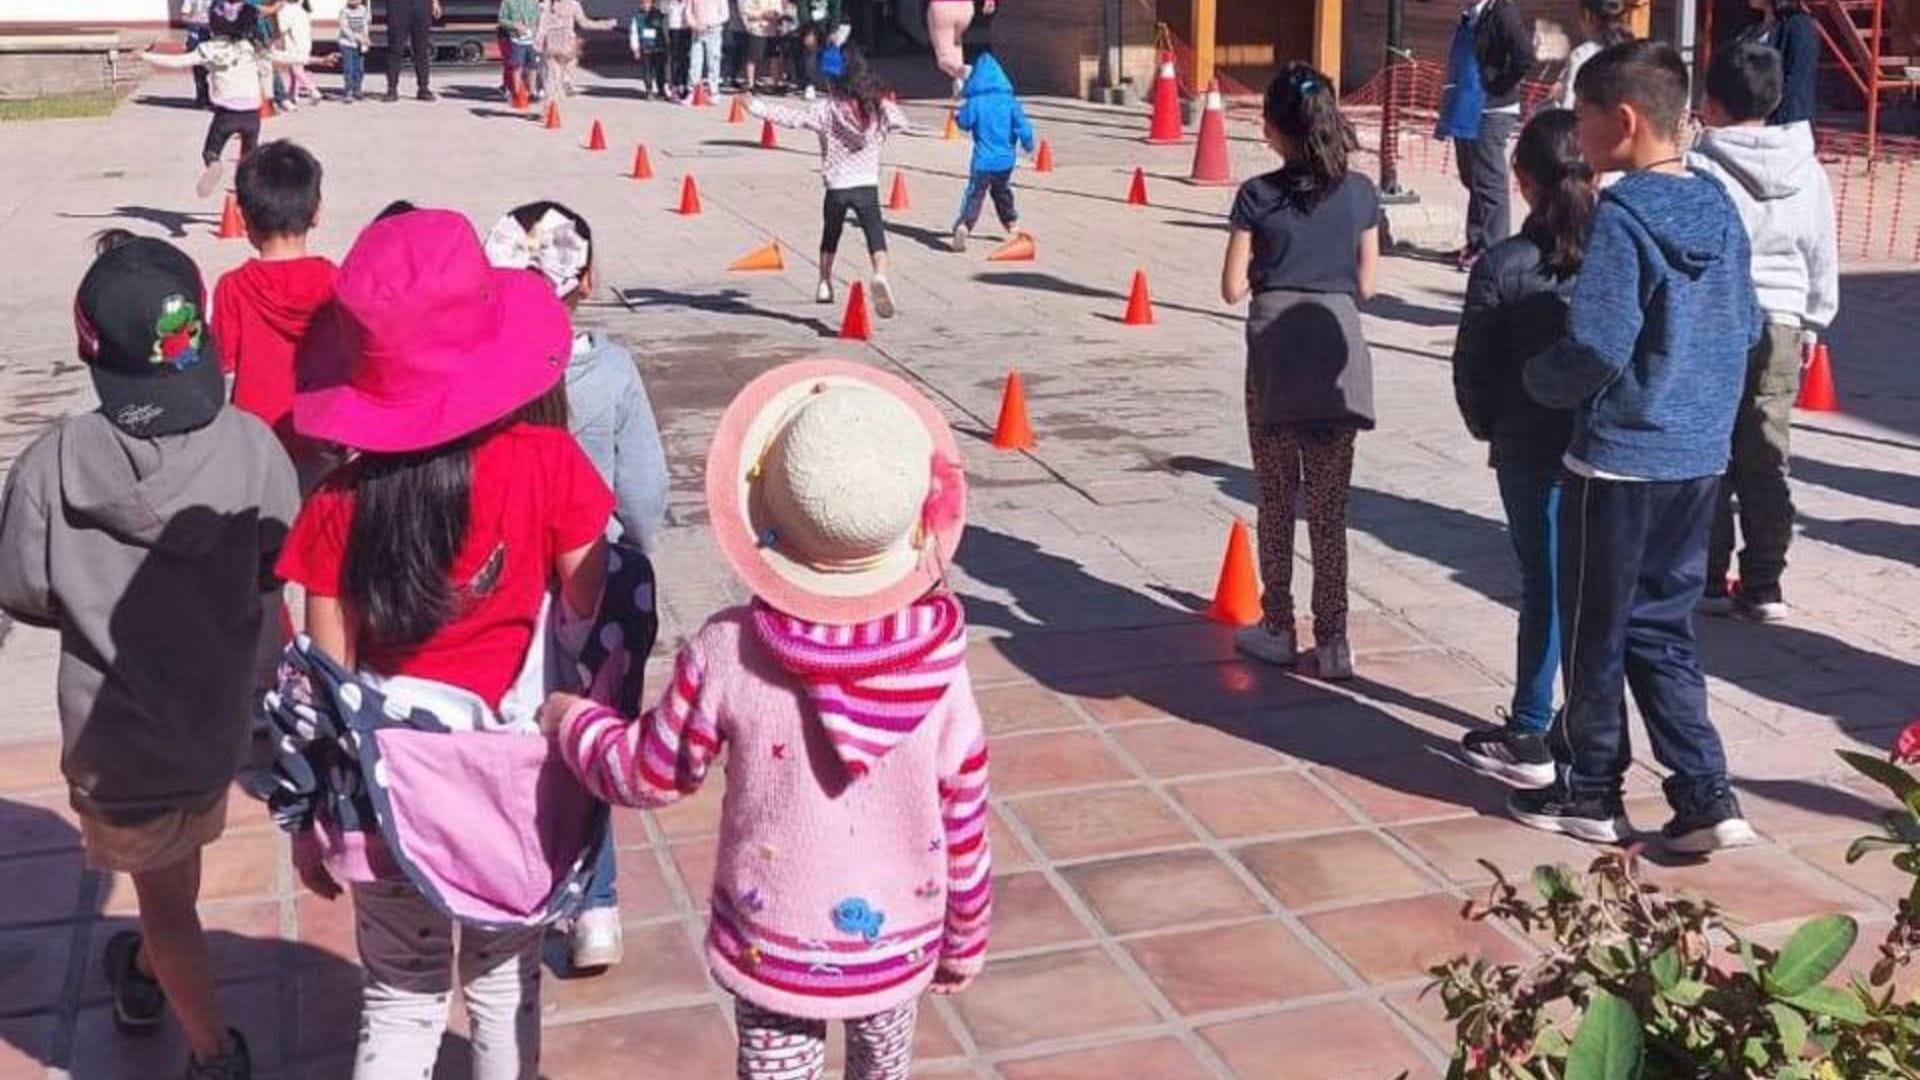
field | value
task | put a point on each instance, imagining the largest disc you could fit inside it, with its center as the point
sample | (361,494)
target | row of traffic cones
(1211,164)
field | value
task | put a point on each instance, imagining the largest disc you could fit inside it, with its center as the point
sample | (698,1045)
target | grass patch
(93,103)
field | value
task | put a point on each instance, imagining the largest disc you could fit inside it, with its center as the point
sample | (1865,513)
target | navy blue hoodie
(1658,330)
(994,117)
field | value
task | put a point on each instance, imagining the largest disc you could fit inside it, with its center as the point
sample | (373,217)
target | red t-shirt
(261,313)
(535,496)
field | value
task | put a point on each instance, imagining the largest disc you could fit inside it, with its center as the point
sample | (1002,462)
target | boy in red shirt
(261,311)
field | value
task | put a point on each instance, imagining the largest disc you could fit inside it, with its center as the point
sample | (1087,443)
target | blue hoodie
(994,117)
(1658,330)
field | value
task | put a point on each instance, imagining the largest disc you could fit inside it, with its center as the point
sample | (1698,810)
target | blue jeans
(601,891)
(1533,504)
(353,66)
(979,186)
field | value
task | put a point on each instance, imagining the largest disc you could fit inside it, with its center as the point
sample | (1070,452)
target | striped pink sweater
(853,855)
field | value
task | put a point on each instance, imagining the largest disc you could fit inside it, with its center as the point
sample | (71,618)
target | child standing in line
(993,116)
(146,532)
(1784,199)
(560,23)
(679,48)
(1658,332)
(356,41)
(194,15)
(1604,24)
(519,28)
(648,39)
(1306,245)
(853,866)
(1516,308)
(294,51)
(854,122)
(232,62)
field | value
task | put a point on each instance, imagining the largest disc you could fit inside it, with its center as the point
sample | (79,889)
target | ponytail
(409,523)
(1548,153)
(1301,105)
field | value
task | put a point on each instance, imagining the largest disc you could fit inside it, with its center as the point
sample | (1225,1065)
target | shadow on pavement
(1052,283)
(724,302)
(175,222)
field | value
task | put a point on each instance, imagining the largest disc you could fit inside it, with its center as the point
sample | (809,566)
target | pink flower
(1906,748)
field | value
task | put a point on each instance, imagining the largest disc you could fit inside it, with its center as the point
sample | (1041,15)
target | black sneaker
(235,1064)
(1511,756)
(1712,825)
(390,96)
(138,1002)
(1595,820)
(426,95)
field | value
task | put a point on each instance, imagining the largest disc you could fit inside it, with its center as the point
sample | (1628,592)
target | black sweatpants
(864,202)
(409,27)
(225,125)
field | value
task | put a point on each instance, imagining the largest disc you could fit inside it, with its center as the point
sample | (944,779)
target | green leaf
(1886,773)
(1666,969)
(1830,1001)
(1609,1044)
(1687,992)
(1812,954)
(1554,883)
(1791,1026)
(1859,848)
(1752,966)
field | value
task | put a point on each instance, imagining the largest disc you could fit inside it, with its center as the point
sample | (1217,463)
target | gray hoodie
(1786,202)
(153,558)
(614,423)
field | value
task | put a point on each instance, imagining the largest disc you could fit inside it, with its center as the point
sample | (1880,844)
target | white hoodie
(1786,203)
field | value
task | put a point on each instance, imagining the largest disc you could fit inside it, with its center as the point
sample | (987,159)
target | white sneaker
(811,93)
(1262,644)
(1766,611)
(960,238)
(824,293)
(1333,660)
(882,298)
(595,940)
(209,181)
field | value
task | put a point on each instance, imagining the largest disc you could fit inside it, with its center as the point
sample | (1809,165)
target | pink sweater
(853,855)
(849,150)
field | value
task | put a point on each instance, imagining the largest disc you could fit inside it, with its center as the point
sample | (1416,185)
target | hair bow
(553,246)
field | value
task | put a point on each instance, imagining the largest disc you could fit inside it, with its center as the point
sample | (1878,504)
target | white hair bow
(553,246)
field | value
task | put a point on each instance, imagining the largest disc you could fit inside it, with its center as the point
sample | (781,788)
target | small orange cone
(953,127)
(700,94)
(1236,599)
(1043,159)
(769,138)
(521,103)
(1166,105)
(1139,302)
(1137,193)
(689,197)
(232,225)
(597,137)
(1014,431)
(642,164)
(553,116)
(266,110)
(1018,248)
(856,325)
(1210,164)
(1816,386)
(766,258)
(738,113)
(897,199)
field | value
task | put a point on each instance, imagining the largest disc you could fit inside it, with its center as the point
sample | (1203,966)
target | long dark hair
(859,85)
(409,522)
(1302,106)
(1549,154)
(1612,17)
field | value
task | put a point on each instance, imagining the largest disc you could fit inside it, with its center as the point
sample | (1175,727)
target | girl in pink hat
(852,873)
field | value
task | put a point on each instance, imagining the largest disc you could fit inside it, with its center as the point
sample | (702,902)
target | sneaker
(235,1064)
(1762,605)
(1333,660)
(1597,821)
(823,293)
(811,93)
(426,95)
(1267,646)
(209,181)
(594,941)
(882,298)
(1717,604)
(959,238)
(1714,825)
(138,1002)
(390,96)
(1511,756)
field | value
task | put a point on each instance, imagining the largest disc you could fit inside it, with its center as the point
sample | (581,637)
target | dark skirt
(1307,362)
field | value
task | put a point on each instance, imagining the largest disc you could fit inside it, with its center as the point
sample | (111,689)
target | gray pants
(1757,474)
(703,60)
(407,947)
(1483,169)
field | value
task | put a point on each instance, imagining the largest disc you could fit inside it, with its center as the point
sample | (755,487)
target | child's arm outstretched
(963,802)
(652,761)
(814,117)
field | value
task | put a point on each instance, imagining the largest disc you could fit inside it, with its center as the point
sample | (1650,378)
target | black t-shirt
(1315,250)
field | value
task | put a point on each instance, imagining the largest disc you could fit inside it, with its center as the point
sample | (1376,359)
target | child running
(1306,245)
(854,122)
(232,60)
(991,114)
(146,532)
(427,563)
(1516,308)
(853,864)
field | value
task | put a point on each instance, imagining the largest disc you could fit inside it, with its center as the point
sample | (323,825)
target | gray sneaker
(960,238)
(1333,660)
(882,298)
(1278,649)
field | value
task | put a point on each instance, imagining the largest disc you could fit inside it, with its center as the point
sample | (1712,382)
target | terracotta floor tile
(100,1050)
(1369,632)
(1232,967)
(1028,913)
(1788,811)
(1279,802)
(935,1051)
(1455,846)
(326,928)
(1081,824)
(30,766)
(1025,763)
(1187,749)
(629,827)
(1191,692)
(40,888)
(1160,1059)
(1391,790)
(1152,892)
(642,885)
(1422,672)
(1426,1012)
(33,967)
(1757,885)
(694,860)
(660,965)
(37,824)
(237,866)
(697,816)
(1332,868)
(1054,996)
(1874,874)
(25,1046)
(1400,939)
(1009,710)
(1347,1040)
(244,937)
(1337,730)
(677,1044)
(987,664)
(1009,854)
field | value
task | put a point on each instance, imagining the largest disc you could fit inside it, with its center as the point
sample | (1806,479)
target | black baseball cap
(141,319)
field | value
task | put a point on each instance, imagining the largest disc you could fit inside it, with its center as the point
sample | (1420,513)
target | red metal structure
(1872,43)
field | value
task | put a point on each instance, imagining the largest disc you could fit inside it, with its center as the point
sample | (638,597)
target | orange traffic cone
(689,196)
(642,164)
(1210,164)
(1816,387)
(1139,302)
(553,116)
(953,127)
(232,225)
(700,94)
(738,113)
(1166,105)
(521,103)
(769,138)
(1137,193)
(1236,599)
(766,258)
(597,137)
(1018,248)
(1014,431)
(897,199)
(266,110)
(856,325)
(1043,158)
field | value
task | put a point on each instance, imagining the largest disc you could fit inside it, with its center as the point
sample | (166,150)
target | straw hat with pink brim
(836,491)
(425,342)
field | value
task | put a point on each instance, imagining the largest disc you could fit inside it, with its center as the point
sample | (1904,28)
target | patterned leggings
(1320,461)
(777,1047)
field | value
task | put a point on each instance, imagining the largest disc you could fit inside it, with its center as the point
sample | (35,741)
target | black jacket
(1513,312)
(1797,40)
(1504,43)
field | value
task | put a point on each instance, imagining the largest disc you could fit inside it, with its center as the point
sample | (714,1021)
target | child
(1491,55)
(263,310)
(853,863)
(706,29)
(233,62)
(1516,308)
(648,38)
(1788,28)
(294,50)
(853,122)
(519,28)
(560,43)
(1781,191)
(427,563)
(679,47)
(993,116)
(356,41)
(194,15)
(1603,24)
(1658,330)
(146,533)
(1306,244)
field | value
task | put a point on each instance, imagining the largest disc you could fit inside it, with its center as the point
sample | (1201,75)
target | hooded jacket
(1786,202)
(704,16)
(993,116)
(1515,309)
(153,558)
(612,419)
(233,71)
(1658,330)
(261,314)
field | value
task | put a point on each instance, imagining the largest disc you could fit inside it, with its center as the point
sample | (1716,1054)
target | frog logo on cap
(178,334)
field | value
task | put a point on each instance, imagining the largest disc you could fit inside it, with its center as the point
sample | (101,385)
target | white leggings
(778,1047)
(408,950)
(947,23)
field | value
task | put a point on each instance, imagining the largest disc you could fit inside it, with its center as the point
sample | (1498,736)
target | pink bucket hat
(836,491)
(425,342)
